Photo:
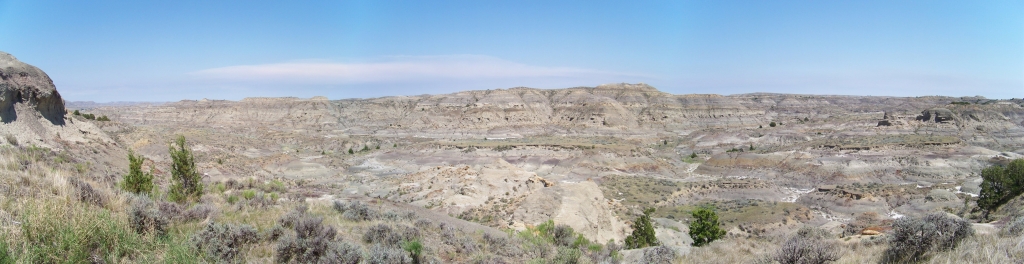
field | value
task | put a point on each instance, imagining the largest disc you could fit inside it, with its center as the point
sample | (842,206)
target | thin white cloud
(396,69)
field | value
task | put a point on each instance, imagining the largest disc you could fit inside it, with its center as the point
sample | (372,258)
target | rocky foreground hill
(453,171)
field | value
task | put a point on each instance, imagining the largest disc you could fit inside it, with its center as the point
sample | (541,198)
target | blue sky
(151,51)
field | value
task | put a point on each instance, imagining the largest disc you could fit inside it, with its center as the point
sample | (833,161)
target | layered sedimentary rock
(32,111)
(25,84)
(620,109)
(937,115)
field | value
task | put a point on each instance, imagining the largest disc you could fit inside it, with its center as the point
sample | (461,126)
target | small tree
(78,113)
(1000,184)
(415,249)
(136,180)
(751,147)
(185,180)
(693,155)
(350,151)
(643,232)
(705,227)
(772,124)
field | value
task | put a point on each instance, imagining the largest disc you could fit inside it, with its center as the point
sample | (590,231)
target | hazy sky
(171,50)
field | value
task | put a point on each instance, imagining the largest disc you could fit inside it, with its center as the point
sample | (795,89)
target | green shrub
(772,124)
(350,151)
(1000,184)
(77,113)
(913,238)
(232,199)
(415,249)
(103,118)
(643,232)
(275,186)
(136,180)
(705,226)
(185,180)
(249,194)
(693,155)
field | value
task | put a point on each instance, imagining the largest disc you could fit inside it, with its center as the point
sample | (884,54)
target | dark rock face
(21,83)
(938,115)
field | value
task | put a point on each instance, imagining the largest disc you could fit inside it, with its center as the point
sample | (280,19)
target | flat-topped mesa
(21,83)
(269,99)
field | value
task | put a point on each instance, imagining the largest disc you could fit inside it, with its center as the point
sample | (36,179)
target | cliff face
(21,83)
(622,110)
(615,110)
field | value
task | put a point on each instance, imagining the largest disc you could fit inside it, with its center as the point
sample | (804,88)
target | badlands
(477,169)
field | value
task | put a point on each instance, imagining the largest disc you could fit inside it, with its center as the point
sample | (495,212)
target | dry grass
(43,220)
(985,249)
(730,250)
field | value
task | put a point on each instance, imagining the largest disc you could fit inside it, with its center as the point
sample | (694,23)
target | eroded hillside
(594,157)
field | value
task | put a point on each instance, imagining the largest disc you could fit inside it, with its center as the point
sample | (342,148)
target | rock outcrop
(33,113)
(21,83)
(937,115)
